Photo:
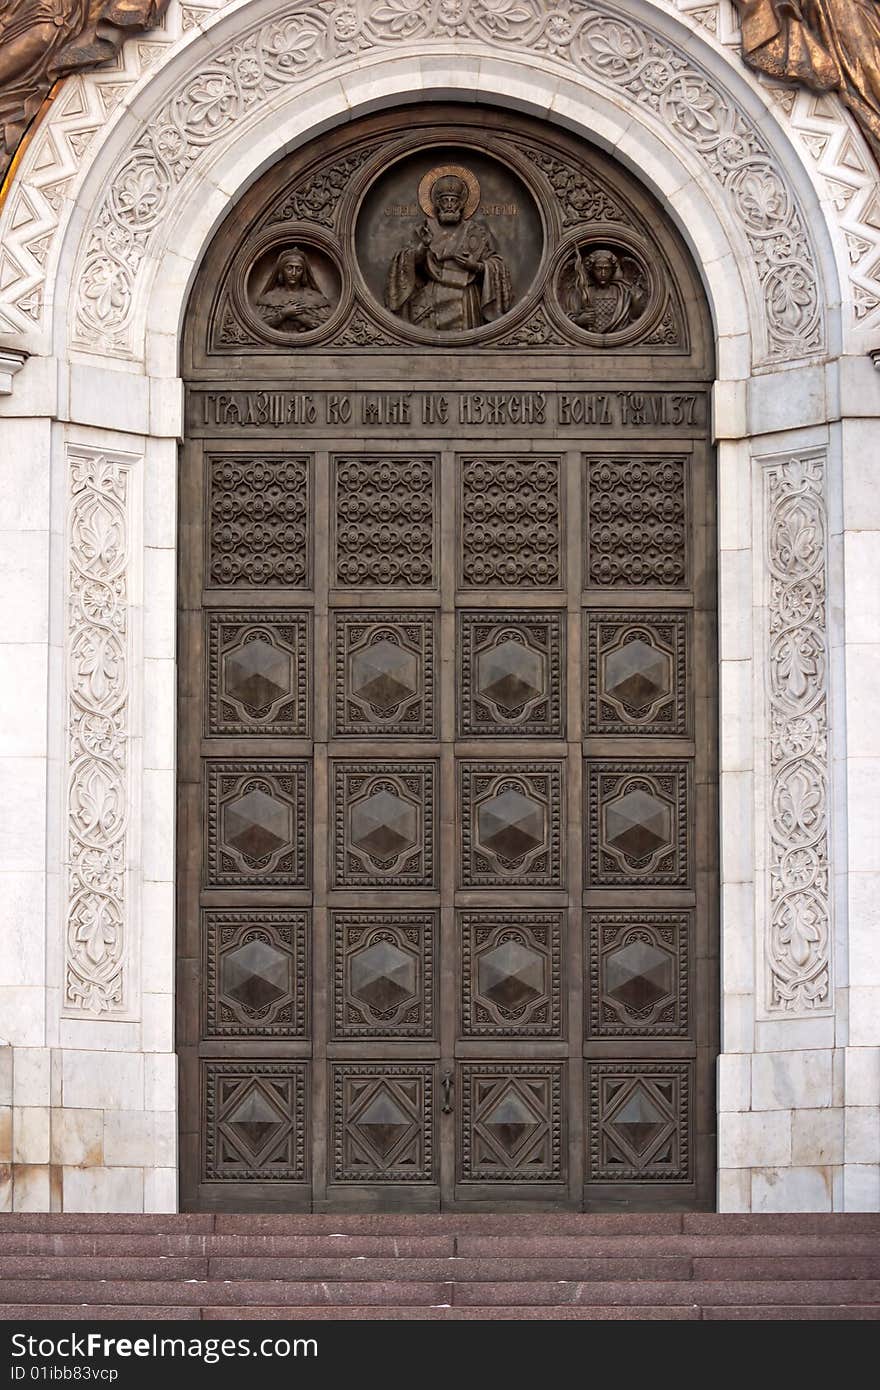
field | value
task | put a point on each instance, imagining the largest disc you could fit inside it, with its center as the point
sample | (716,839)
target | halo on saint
(427,184)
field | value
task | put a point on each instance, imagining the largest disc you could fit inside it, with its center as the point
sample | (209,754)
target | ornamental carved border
(797,953)
(98,633)
(612,51)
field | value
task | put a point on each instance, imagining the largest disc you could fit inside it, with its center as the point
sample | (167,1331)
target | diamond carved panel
(256,973)
(637,673)
(638,974)
(384,824)
(383,974)
(637,823)
(385,664)
(511,824)
(258,531)
(258,665)
(385,521)
(511,674)
(257,824)
(382,1123)
(256,1121)
(640,1121)
(511,1122)
(511,973)
(636,520)
(511,524)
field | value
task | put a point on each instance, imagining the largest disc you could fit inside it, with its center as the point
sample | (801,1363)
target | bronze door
(447,761)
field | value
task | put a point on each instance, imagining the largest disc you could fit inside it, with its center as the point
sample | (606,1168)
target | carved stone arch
(785,272)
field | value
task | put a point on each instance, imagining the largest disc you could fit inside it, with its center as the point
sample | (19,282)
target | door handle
(446,1082)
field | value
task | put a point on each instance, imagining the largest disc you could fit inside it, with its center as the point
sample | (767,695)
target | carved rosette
(97,732)
(798,946)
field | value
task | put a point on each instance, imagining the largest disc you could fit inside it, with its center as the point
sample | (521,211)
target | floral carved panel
(98,659)
(798,942)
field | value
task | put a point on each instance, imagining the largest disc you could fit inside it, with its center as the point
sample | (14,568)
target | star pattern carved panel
(383,974)
(511,1122)
(640,1121)
(511,522)
(258,816)
(637,518)
(637,669)
(511,674)
(511,973)
(638,971)
(385,521)
(256,1121)
(383,1123)
(384,824)
(511,824)
(258,673)
(385,672)
(637,819)
(256,973)
(258,527)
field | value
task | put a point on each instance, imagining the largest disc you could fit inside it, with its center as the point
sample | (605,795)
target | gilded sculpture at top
(42,40)
(828,45)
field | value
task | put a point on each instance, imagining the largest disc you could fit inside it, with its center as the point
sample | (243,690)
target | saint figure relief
(451,276)
(606,292)
(828,45)
(292,300)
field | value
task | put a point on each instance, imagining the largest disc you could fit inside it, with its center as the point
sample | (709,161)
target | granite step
(407,1247)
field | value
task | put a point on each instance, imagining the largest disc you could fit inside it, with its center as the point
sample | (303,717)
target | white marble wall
(87,1104)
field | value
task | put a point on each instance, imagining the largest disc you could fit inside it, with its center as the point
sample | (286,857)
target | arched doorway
(447,910)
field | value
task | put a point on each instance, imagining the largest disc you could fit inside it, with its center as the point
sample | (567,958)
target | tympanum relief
(491,244)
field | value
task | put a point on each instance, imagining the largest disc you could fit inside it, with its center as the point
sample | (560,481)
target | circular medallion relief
(605,287)
(448,240)
(291,286)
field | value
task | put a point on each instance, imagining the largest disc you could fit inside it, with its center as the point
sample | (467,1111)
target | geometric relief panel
(637,820)
(255,973)
(258,665)
(384,824)
(511,674)
(636,680)
(636,521)
(258,521)
(382,1123)
(258,818)
(639,1121)
(511,824)
(383,974)
(638,974)
(255,1121)
(511,973)
(384,673)
(511,1122)
(511,528)
(385,522)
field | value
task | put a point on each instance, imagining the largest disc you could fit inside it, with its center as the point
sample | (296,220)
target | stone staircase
(440,1266)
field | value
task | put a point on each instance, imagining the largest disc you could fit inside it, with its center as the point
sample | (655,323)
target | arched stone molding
(359,34)
(779,1065)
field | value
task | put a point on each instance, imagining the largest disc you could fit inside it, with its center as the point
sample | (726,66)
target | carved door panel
(447,802)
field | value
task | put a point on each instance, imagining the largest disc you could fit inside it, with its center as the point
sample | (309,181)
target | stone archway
(784,428)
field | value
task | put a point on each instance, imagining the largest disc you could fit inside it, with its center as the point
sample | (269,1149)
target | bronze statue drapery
(828,45)
(42,40)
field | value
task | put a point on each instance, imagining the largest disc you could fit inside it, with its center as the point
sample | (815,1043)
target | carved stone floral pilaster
(798,924)
(97,731)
